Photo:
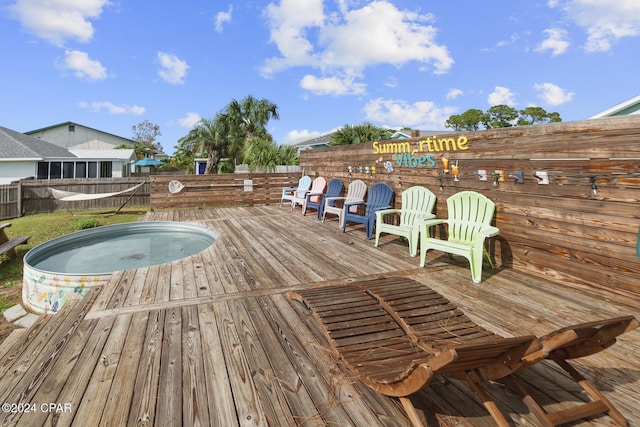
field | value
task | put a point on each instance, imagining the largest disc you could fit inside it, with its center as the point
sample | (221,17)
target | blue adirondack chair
(378,197)
(468,225)
(417,206)
(288,193)
(334,189)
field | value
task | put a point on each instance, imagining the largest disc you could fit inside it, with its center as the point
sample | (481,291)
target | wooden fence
(10,201)
(220,190)
(582,226)
(37,196)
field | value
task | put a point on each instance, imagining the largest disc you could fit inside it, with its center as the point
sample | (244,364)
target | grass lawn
(41,228)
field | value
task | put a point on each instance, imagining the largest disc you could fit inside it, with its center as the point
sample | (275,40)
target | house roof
(318,142)
(119,154)
(408,133)
(15,145)
(630,106)
(64,124)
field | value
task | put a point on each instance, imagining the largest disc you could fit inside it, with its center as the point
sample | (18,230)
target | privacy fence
(10,201)
(194,191)
(567,194)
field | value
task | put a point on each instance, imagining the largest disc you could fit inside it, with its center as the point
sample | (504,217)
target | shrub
(83,224)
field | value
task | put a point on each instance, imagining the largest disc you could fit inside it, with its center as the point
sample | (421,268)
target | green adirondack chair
(468,225)
(417,206)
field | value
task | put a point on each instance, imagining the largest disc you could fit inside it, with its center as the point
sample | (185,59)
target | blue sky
(112,64)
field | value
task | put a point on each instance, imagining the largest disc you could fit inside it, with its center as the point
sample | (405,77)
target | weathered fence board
(10,201)
(220,190)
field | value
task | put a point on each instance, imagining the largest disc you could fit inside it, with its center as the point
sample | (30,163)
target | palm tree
(358,134)
(208,136)
(250,116)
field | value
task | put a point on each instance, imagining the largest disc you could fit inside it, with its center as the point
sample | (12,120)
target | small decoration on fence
(388,166)
(445,164)
(455,171)
(481,174)
(497,177)
(542,177)
(594,187)
(518,177)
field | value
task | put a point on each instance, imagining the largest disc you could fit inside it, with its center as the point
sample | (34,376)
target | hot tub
(68,267)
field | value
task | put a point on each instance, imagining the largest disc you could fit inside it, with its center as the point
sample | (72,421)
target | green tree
(145,133)
(209,137)
(534,115)
(247,119)
(223,138)
(358,134)
(263,153)
(500,116)
(467,121)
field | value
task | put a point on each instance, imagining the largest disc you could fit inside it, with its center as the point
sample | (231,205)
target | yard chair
(288,193)
(397,351)
(417,206)
(379,197)
(468,225)
(336,205)
(318,187)
(316,201)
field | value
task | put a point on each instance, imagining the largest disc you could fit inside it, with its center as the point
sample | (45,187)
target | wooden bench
(7,246)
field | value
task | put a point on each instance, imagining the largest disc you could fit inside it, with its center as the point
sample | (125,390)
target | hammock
(70,196)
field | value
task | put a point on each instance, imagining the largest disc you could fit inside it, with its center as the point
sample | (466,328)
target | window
(105,169)
(67,170)
(92,171)
(55,170)
(43,170)
(81,169)
(72,128)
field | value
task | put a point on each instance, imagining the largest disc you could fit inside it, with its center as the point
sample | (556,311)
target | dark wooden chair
(395,334)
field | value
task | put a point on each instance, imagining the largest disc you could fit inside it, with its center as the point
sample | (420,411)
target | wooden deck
(214,340)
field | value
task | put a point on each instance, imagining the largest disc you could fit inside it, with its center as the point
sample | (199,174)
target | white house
(630,106)
(74,136)
(24,156)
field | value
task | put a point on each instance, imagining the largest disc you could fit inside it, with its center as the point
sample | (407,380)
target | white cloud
(501,96)
(454,93)
(59,20)
(349,41)
(189,120)
(552,94)
(332,86)
(422,114)
(172,69)
(98,106)
(296,136)
(556,41)
(223,18)
(605,21)
(82,66)
(391,82)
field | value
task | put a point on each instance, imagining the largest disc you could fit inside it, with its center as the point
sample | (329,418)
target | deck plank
(214,339)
